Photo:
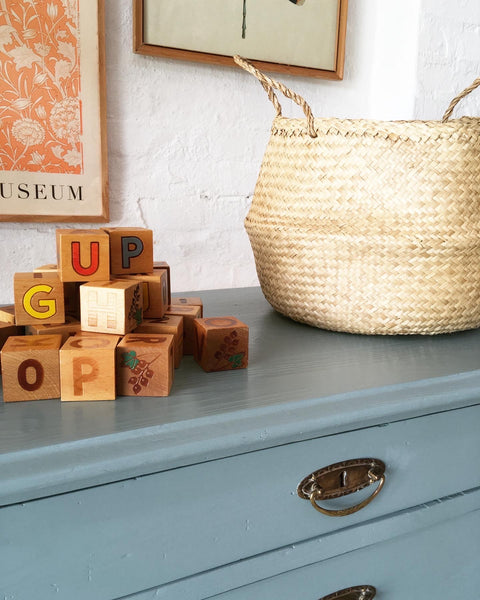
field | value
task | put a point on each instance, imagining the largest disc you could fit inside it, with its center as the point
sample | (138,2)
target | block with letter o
(30,367)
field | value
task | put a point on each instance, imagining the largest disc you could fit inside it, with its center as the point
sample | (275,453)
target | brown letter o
(22,375)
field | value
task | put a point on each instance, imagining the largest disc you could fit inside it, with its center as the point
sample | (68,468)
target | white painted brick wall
(186,140)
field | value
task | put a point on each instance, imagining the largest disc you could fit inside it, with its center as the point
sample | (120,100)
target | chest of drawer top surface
(132,494)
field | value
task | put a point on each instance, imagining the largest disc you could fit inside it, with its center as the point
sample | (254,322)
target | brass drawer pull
(359,592)
(341,479)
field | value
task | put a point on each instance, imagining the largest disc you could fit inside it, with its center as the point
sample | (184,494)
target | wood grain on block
(189,314)
(155,292)
(70,290)
(46,268)
(111,306)
(83,254)
(7,329)
(7,314)
(145,364)
(66,330)
(131,250)
(165,266)
(187,301)
(30,368)
(39,298)
(221,343)
(87,367)
(167,324)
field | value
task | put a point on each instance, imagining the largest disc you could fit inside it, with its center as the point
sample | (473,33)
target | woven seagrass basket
(367,226)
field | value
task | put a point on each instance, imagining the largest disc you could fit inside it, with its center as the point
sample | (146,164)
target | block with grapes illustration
(145,364)
(221,343)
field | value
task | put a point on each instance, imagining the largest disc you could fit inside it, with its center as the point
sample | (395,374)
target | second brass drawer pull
(359,592)
(341,479)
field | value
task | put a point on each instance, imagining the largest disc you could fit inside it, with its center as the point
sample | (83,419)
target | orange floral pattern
(40,105)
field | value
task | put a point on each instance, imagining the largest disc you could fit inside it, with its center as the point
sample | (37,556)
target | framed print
(300,37)
(53,163)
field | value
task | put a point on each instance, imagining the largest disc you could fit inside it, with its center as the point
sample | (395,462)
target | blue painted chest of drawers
(194,496)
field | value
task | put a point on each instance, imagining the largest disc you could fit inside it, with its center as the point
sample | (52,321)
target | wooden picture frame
(150,25)
(53,146)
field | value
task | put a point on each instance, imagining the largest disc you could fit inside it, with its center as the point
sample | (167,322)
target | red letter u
(94,259)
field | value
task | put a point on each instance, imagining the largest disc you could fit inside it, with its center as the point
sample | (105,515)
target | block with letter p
(131,250)
(83,254)
(30,368)
(39,298)
(87,367)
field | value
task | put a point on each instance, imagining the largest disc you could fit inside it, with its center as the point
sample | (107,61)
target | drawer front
(121,538)
(441,562)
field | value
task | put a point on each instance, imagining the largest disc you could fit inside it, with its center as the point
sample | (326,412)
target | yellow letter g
(50,305)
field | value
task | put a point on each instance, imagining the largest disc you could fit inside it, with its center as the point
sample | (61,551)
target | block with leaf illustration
(114,306)
(31,368)
(221,343)
(87,367)
(145,364)
(170,324)
(155,292)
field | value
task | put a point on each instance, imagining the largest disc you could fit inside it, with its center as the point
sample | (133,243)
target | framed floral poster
(301,37)
(52,111)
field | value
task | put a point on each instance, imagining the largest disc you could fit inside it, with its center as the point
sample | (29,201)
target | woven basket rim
(414,130)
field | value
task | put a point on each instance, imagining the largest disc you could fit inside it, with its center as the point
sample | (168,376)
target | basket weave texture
(366,226)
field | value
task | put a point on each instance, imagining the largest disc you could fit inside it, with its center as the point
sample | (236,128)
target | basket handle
(270,84)
(457,99)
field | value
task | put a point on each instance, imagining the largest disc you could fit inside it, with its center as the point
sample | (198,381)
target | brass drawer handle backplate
(359,592)
(341,479)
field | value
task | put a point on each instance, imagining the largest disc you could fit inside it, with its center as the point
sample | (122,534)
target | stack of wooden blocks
(102,322)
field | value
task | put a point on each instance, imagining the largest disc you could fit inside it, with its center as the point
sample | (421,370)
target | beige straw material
(369,227)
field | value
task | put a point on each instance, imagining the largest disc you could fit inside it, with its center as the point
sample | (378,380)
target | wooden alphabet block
(164,266)
(70,291)
(168,324)
(6,330)
(131,250)
(145,364)
(46,268)
(83,254)
(155,292)
(111,306)
(7,314)
(189,314)
(221,343)
(190,301)
(30,368)
(66,330)
(39,298)
(87,367)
